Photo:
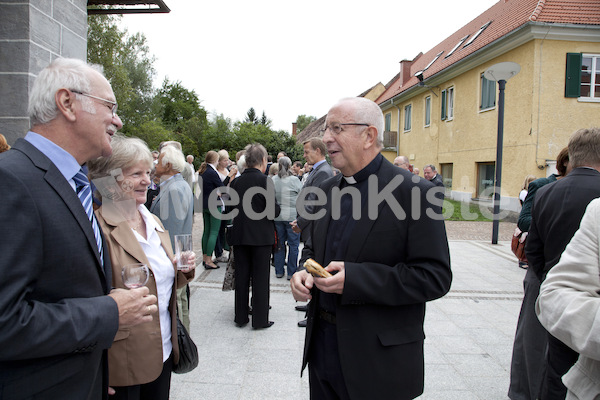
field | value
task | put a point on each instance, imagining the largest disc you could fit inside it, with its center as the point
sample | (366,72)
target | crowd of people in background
(71,320)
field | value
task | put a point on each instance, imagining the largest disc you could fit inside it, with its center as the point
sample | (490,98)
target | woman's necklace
(138,222)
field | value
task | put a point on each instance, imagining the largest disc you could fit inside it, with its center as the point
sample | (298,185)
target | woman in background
(253,239)
(524,188)
(287,188)
(3,144)
(210,182)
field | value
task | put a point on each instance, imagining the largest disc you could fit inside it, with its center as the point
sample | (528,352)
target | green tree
(264,120)
(128,66)
(251,116)
(303,121)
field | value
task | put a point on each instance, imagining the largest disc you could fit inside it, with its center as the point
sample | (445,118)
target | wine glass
(135,275)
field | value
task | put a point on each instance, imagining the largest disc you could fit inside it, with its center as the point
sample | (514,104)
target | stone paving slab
(468,345)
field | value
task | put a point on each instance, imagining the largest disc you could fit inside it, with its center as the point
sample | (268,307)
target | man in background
(557,211)
(432,176)
(174,205)
(402,162)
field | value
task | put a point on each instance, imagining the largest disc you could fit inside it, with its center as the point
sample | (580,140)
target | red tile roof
(505,17)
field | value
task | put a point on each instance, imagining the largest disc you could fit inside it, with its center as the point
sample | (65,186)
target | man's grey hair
(430,166)
(402,160)
(584,148)
(255,154)
(368,112)
(126,152)
(173,156)
(241,163)
(173,143)
(62,73)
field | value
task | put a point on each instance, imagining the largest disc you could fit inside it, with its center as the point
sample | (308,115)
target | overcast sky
(291,58)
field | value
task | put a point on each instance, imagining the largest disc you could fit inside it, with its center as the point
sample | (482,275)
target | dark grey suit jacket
(316,177)
(56,320)
(393,265)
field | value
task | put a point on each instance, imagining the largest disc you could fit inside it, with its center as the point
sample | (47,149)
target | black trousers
(156,390)
(252,261)
(324,367)
(559,360)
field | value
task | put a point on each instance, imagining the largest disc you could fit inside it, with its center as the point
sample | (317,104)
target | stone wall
(32,34)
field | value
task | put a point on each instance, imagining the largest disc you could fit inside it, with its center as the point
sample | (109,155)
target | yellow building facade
(450,118)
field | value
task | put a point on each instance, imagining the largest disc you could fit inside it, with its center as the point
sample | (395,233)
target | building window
(485,179)
(432,61)
(457,46)
(390,140)
(476,35)
(446,171)
(388,122)
(448,104)
(407,117)
(582,78)
(488,94)
(427,110)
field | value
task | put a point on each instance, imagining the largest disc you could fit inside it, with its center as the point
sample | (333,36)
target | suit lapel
(62,187)
(123,235)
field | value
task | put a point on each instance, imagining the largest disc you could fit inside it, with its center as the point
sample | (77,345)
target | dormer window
(477,34)
(432,61)
(457,46)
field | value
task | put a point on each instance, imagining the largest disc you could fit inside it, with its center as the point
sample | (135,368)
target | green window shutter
(444,115)
(573,75)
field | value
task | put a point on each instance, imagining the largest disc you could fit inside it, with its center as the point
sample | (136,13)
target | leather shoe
(207,266)
(270,324)
(302,324)
(241,325)
(302,308)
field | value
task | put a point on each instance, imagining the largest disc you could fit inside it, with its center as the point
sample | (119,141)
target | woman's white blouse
(164,274)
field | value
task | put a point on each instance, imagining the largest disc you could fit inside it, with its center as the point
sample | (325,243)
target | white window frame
(594,71)
(407,117)
(450,103)
(481,83)
(427,111)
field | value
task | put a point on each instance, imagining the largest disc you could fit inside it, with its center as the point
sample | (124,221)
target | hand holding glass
(184,252)
(135,275)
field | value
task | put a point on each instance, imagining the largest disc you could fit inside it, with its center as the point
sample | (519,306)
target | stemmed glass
(135,275)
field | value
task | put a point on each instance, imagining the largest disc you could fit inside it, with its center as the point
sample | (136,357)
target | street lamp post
(500,73)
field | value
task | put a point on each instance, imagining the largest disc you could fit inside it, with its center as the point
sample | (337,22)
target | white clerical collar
(350,180)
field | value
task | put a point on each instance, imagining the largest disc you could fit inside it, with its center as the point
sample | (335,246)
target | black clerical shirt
(340,230)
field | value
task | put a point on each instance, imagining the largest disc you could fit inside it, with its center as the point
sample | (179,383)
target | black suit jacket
(210,182)
(393,266)
(316,177)
(556,214)
(56,320)
(437,180)
(248,231)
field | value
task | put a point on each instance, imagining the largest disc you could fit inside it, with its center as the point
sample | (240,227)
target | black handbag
(188,352)
(229,234)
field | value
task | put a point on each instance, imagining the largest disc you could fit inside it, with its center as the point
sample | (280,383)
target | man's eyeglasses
(338,128)
(113,104)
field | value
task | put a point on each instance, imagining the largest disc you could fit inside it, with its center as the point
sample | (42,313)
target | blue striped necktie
(84,192)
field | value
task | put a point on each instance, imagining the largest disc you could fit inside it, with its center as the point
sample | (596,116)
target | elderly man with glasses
(364,338)
(57,311)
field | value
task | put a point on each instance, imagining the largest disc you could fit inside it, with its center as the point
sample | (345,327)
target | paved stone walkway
(469,332)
